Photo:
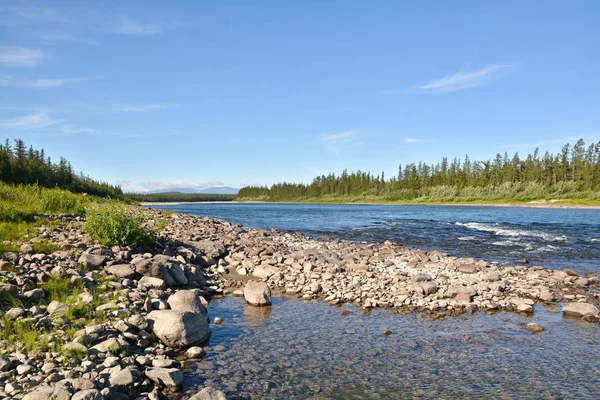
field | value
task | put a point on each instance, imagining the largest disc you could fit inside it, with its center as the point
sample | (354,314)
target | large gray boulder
(257,294)
(581,310)
(92,260)
(169,377)
(186,300)
(180,328)
(89,394)
(122,270)
(209,393)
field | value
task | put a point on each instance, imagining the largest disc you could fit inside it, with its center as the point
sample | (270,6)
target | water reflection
(257,316)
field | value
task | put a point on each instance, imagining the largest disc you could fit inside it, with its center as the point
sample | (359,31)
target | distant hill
(220,190)
(210,190)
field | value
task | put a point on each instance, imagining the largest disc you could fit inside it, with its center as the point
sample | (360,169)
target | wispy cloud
(76,130)
(144,108)
(464,80)
(30,121)
(338,142)
(417,140)
(129,26)
(40,83)
(20,56)
(55,37)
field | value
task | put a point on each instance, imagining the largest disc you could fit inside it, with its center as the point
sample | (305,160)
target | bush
(114,225)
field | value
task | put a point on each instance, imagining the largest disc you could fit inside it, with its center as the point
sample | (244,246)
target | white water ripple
(499,230)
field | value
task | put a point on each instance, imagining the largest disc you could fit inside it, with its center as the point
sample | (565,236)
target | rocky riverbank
(138,317)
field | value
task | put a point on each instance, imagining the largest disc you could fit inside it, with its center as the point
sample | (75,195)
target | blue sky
(156,94)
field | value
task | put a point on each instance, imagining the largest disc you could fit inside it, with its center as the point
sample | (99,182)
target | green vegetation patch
(111,224)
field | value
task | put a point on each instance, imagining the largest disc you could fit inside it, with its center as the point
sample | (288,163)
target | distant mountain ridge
(210,190)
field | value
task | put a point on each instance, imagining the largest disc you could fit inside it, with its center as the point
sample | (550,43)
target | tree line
(572,173)
(182,197)
(20,165)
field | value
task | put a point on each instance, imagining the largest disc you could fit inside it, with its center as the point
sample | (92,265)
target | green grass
(22,334)
(14,231)
(60,289)
(115,225)
(168,212)
(160,224)
(45,247)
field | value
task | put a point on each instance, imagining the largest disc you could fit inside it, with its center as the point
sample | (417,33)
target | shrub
(114,225)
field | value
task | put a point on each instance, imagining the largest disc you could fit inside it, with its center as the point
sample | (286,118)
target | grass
(60,289)
(24,334)
(168,212)
(115,225)
(45,247)
(160,224)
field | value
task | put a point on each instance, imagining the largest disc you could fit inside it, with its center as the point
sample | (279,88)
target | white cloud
(29,121)
(20,56)
(339,142)
(53,37)
(129,26)
(417,140)
(39,83)
(463,80)
(73,130)
(144,108)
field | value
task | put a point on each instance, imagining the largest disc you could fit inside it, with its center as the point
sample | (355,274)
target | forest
(178,197)
(573,174)
(20,165)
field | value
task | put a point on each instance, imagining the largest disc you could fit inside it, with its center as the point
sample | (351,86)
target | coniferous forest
(573,173)
(20,165)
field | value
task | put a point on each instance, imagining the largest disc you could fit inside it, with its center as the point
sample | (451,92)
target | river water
(308,350)
(551,237)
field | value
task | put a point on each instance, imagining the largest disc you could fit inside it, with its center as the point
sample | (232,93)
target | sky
(155,95)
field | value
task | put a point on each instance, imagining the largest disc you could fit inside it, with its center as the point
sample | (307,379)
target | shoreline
(150,314)
(536,204)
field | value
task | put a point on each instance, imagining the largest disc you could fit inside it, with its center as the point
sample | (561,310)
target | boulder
(257,294)
(89,394)
(57,308)
(127,376)
(429,288)
(180,328)
(122,270)
(152,283)
(467,269)
(92,260)
(208,393)
(186,300)
(581,310)
(169,377)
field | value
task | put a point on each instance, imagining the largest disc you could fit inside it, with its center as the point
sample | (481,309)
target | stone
(92,261)
(180,328)
(570,272)
(581,310)
(218,320)
(139,322)
(152,283)
(429,288)
(467,269)
(6,289)
(57,308)
(109,345)
(186,300)
(26,248)
(169,377)
(195,352)
(14,313)
(165,363)
(257,294)
(90,394)
(48,393)
(121,270)
(5,364)
(209,393)
(125,377)
(533,327)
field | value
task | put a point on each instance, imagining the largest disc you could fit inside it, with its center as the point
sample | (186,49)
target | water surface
(308,350)
(552,237)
